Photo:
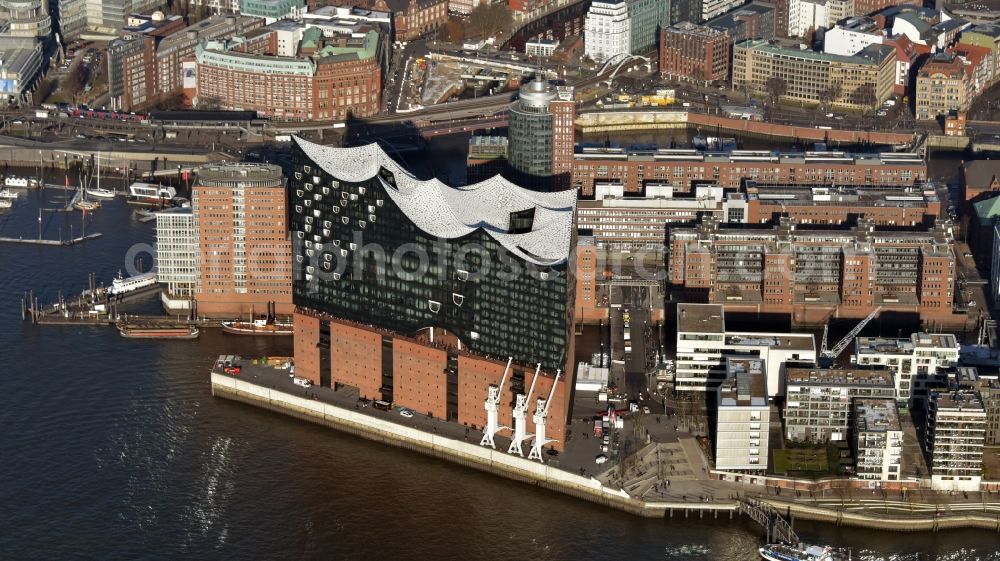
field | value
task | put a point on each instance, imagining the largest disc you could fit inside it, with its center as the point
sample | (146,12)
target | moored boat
(802,552)
(258,327)
(140,193)
(8,194)
(176,332)
(87,205)
(101,193)
(123,285)
(21,182)
(6,203)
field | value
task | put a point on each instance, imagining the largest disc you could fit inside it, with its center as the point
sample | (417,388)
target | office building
(173,50)
(818,402)
(339,78)
(273,10)
(694,52)
(918,361)
(944,84)
(131,60)
(540,135)
(955,433)
(646,19)
(607,31)
(898,205)
(636,167)
(878,440)
(714,8)
(71,17)
(401,290)
(244,255)
(703,345)
(866,79)
(744,417)
(177,252)
(20,68)
(27,19)
(750,21)
(413,18)
(541,47)
(852,36)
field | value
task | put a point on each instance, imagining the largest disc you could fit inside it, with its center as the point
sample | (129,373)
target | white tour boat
(8,194)
(150,194)
(802,552)
(125,285)
(20,182)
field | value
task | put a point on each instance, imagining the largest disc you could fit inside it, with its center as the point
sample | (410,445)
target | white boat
(21,182)
(101,193)
(802,552)
(6,203)
(87,205)
(123,285)
(8,194)
(150,194)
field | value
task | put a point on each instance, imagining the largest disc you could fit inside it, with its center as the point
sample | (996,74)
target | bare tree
(864,96)
(776,87)
(487,20)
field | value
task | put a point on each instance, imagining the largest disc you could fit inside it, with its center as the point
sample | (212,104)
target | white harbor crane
(541,413)
(521,418)
(492,407)
(831,354)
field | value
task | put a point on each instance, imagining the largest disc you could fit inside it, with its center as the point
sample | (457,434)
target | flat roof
(794,341)
(876,415)
(871,55)
(701,318)
(961,400)
(838,377)
(746,386)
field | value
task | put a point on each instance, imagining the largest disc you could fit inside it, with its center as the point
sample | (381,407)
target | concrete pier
(317,405)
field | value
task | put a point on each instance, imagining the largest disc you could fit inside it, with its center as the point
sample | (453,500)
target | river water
(115,449)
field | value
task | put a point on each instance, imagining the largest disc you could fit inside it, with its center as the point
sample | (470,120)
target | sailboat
(83,203)
(97,191)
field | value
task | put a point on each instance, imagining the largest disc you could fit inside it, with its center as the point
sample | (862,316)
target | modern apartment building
(918,361)
(878,440)
(866,79)
(177,254)
(541,135)
(744,417)
(339,80)
(401,290)
(818,402)
(816,273)
(607,30)
(714,8)
(636,167)
(900,205)
(944,83)
(704,344)
(955,433)
(244,255)
(694,52)
(132,76)
(988,386)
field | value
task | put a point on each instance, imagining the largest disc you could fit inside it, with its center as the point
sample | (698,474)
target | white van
(304,382)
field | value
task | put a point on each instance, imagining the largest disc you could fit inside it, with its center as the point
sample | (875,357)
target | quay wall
(519,469)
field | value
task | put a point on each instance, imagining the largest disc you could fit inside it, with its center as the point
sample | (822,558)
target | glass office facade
(359,257)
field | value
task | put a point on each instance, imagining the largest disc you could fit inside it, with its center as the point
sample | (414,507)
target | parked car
(600,459)
(406,413)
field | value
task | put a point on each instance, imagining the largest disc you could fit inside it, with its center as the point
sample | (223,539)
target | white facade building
(540,47)
(878,440)
(177,256)
(955,432)
(607,30)
(741,435)
(804,15)
(703,345)
(849,38)
(916,361)
(712,8)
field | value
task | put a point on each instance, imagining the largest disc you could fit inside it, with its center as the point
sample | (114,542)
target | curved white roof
(451,212)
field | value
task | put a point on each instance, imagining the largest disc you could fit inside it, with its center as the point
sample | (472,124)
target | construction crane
(521,418)
(492,407)
(842,344)
(541,412)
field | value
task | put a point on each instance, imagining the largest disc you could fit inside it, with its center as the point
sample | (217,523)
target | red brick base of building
(437,378)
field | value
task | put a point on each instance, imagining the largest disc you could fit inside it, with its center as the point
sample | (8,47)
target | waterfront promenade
(690,494)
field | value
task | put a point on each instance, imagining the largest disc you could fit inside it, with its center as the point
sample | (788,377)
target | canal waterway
(114,449)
